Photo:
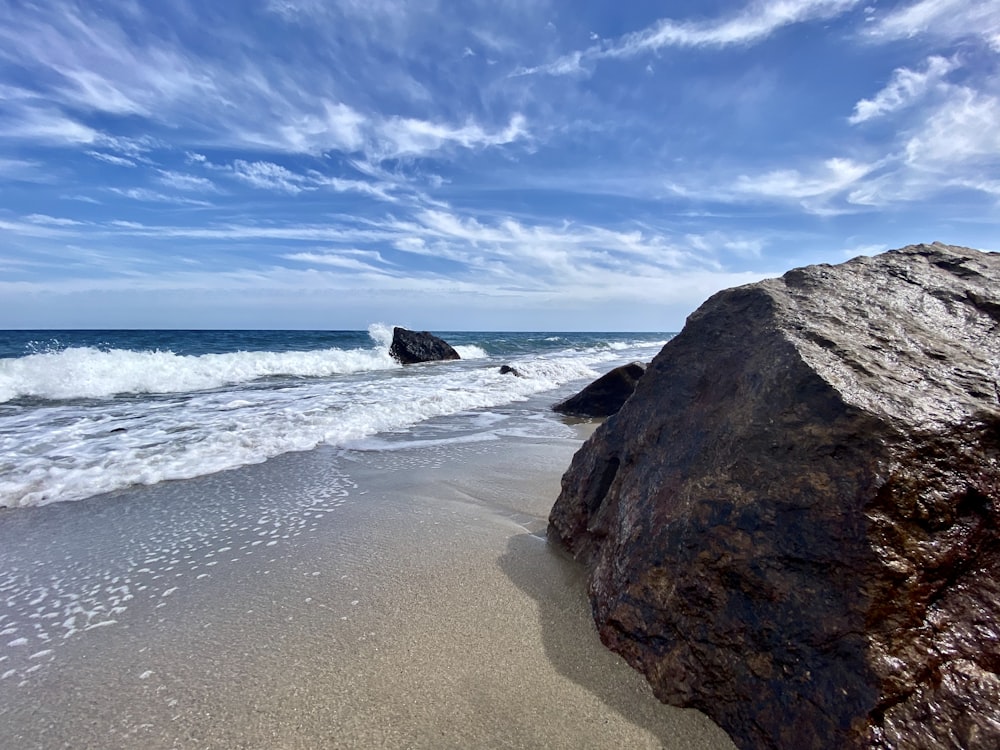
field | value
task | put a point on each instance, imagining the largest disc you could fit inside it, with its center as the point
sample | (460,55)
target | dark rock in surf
(604,396)
(409,347)
(508,370)
(792,524)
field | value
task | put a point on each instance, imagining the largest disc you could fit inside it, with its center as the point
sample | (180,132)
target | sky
(476,165)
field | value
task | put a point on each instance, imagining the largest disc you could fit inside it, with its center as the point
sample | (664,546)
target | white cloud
(151,196)
(962,131)
(47,126)
(570,64)
(953,145)
(337,126)
(84,63)
(756,22)
(400,136)
(35,228)
(833,177)
(181,181)
(378,190)
(351,260)
(81,198)
(267,176)
(951,19)
(52,220)
(119,161)
(904,88)
(94,91)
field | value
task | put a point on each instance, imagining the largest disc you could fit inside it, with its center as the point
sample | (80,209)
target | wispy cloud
(347,259)
(904,88)
(950,19)
(962,130)
(52,220)
(267,176)
(816,188)
(412,137)
(754,23)
(226,97)
(146,195)
(182,181)
(36,124)
(118,161)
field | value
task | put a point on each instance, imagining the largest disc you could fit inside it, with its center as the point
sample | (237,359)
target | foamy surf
(87,372)
(86,420)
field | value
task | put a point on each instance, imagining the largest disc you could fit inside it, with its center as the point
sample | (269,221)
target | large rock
(409,347)
(792,525)
(604,396)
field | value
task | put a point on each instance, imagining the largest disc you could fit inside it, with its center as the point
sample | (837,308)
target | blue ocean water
(88,412)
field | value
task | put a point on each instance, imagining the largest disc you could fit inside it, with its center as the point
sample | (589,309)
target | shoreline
(409,603)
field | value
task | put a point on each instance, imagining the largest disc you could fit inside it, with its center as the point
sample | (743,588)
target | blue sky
(511,164)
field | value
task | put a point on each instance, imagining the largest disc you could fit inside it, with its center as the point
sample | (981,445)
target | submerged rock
(604,396)
(508,370)
(409,347)
(792,524)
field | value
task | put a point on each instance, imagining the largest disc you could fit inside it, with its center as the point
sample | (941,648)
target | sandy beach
(325,599)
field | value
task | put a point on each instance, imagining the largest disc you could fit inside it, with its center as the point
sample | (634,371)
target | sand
(418,607)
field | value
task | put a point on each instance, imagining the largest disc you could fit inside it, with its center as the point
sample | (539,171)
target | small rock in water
(604,396)
(410,347)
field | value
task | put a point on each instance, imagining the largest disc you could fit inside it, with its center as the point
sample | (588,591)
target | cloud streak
(945,19)
(751,25)
(904,89)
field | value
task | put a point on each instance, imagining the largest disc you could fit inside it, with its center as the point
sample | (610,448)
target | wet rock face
(409,347)
(604,396)
(792,524)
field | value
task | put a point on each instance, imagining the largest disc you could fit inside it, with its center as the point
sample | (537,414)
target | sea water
(84,413)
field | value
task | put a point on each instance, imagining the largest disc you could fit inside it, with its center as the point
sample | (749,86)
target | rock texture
(604,396)
(792,524)
(409,347)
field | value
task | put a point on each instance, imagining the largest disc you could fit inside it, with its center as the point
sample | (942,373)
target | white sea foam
(108,419)
(471,351)
(69,451)
(86,372)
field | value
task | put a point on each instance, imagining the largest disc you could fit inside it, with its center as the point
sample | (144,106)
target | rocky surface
(792,525)
(604,396)
(410,347)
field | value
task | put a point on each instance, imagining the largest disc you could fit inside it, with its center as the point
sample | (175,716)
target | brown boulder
(792,524)
(410,347)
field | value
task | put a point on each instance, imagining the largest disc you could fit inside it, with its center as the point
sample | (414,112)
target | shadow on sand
(572,646)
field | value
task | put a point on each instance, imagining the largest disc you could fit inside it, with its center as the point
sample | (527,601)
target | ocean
(85,413)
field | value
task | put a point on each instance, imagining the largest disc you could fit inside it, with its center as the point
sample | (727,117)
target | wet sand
(409,603)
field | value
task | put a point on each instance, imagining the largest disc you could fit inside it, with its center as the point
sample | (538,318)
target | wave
(70,451)
(88,372)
